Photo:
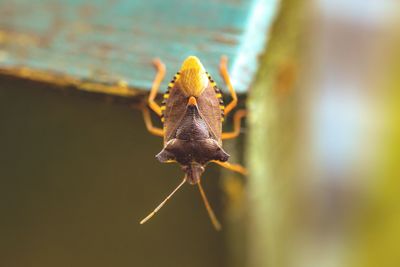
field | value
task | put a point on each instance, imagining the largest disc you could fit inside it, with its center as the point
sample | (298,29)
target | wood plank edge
(120,88)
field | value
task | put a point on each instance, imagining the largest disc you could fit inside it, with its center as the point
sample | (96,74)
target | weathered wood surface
(107,46)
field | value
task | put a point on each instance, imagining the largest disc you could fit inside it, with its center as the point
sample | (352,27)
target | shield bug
(192,113)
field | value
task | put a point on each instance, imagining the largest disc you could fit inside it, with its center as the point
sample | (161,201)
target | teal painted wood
(107,41)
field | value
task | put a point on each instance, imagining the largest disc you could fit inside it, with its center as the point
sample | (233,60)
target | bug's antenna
(163,202)
(213,218)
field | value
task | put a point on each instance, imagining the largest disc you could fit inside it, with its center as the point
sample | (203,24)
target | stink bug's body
(192,113)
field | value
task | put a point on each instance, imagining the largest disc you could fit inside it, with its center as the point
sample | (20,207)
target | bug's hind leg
(237,118)
(231,166)
(160,67)
(149,124)
(223,69)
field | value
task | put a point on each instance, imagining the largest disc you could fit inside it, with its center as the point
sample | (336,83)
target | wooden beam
(108,46)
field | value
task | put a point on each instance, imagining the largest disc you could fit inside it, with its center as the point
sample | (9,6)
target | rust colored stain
(224,39)
(286,78)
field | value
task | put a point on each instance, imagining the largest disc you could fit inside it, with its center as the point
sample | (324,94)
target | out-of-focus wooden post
(376,243)
(272,123)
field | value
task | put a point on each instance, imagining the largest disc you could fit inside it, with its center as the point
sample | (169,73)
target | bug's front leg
(149,124)
(237,118)
(223,69)
(160,67)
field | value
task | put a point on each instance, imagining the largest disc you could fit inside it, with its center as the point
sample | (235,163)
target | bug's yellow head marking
(193,77)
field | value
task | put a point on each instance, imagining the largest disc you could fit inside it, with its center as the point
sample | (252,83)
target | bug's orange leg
(223,69)
(160,67)
(231,166)
(149,124)
(236,125)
